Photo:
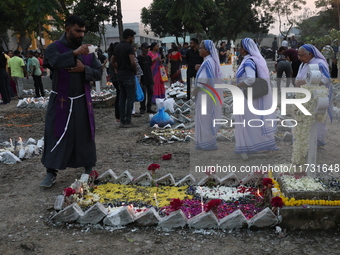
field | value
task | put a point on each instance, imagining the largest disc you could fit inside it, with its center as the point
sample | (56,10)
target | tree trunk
(120,19)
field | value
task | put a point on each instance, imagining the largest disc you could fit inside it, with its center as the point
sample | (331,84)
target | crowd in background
(14,67)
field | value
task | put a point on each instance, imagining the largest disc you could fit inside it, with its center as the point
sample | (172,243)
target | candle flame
(20,139)
(258,193)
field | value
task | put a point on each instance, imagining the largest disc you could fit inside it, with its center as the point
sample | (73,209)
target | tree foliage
(25,17)
(330,12)
(216,19)
(95,12)
(285,11)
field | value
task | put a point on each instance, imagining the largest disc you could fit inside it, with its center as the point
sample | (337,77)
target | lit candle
(201,194)
(202,206)
(20,142)
(258,193)
(155,196)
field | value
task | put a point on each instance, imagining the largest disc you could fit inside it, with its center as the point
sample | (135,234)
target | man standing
(17,70)
(69,125)
(292,56)
(193,59)
(274,48)
(35,71)
(123,59)
(183,52)
(222,53)
(293,43)
(285,43)
(145,62)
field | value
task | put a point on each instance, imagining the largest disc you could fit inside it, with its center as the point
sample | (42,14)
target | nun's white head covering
(209,45)
(261,65)
(315,51)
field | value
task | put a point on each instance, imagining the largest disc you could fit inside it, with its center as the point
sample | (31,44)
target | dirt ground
(25,207)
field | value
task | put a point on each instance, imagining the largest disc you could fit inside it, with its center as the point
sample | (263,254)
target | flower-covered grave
(225,203)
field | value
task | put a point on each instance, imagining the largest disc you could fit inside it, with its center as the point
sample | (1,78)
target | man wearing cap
(145,63)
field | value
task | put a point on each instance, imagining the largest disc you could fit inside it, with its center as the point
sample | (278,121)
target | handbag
(139,91)
(260,87)
(164,76)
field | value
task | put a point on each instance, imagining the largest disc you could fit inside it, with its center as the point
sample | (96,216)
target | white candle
(155,196)
(20,142)
(202,206)
(11,142)
(201,194)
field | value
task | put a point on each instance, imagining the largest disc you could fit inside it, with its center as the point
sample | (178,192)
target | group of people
(14,68)
(69,128)
(250,138)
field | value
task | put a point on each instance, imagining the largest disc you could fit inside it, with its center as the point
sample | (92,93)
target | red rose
(94,175)
(69,191)
(176,204)
(277,202)
(167,156)
(153,167)
(267,181)
(213,204)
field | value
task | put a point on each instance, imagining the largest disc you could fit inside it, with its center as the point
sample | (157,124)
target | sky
(132,8)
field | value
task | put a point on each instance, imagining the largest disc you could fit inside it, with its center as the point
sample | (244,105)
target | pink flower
(69,191)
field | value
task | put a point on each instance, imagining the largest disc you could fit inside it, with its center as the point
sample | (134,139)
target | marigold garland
(301,202)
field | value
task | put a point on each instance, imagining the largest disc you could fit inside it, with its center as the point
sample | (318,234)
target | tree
(310,28)
(285,10)
(25,17)
(331,9)
(217,19)
(155,17)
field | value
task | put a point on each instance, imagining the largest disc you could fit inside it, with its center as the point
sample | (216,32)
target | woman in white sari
(255,137)
(309,54)
(208,99)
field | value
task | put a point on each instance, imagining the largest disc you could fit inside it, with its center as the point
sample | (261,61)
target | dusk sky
(132,8)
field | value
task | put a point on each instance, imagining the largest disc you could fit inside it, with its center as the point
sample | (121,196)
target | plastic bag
(167,103)
(161,119)
(139,91)
(164,75)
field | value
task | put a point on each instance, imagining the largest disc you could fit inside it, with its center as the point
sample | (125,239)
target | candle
(155,196)
(201,194)
(258,193)
(202,207)
(20,142)
(201,198)
(11,142)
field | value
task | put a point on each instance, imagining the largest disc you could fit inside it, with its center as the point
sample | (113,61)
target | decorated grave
(211,202)
(12,152)
(100,99)
(103,99)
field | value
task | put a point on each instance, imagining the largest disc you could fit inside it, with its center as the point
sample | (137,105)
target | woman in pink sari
(158,89)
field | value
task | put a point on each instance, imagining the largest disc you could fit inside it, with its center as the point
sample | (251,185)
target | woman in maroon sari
(175,60)
(158,89)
